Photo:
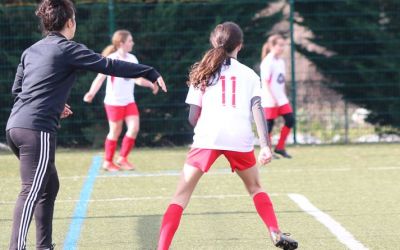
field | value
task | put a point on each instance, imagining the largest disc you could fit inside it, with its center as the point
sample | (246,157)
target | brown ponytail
(271,42)
(119,36)
(224,38)
(109,50)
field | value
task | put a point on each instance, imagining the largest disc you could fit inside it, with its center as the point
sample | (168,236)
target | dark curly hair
(54,14)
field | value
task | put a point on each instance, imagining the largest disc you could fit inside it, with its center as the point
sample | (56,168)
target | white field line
(213,172)
(344,236)
(384,168)
(152,198)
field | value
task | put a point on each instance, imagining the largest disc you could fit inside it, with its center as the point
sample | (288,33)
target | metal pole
(346,122)
(111,18)
(292,61)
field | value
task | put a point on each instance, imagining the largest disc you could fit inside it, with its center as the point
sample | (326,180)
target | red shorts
(203,158)
(118,113)
(272,113)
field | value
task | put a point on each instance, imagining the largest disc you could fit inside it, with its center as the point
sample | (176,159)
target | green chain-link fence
(171,35)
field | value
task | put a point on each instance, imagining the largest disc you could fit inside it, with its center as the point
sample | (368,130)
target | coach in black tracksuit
(41,88)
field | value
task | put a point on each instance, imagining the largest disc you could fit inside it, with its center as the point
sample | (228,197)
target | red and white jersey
(226,120)
(119,91)
(273,81)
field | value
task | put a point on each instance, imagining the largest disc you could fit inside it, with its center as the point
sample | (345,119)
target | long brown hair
(271,42)
(224,39)
(119,36)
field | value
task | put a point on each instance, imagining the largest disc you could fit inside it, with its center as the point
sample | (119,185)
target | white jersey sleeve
(194,96)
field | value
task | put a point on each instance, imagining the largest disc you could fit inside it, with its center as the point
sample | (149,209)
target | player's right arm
(194,99)
(96,84)
(194,114)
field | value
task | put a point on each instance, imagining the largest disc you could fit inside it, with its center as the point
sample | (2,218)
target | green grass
(356,185)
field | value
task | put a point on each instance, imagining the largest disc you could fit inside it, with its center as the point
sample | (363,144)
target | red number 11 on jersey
(223,83)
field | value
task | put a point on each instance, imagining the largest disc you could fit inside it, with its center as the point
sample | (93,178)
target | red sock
(266,211)
(109,147)
(282,139)
(127,144)
(169,225)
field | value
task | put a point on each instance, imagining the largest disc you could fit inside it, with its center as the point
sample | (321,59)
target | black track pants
(39,185)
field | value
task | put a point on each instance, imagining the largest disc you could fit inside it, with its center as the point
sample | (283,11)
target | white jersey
(273,80)
(226,121)
(119,91)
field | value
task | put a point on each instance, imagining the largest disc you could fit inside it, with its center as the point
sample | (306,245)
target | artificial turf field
(358,186)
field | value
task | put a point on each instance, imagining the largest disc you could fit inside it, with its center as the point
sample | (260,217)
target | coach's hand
(66,112)
(160,81)
(265,155)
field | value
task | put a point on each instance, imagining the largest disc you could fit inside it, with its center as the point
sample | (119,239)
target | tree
(362,38)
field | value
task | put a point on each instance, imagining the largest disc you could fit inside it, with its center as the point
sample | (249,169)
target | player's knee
(114,134)
(289,121)
(133,131)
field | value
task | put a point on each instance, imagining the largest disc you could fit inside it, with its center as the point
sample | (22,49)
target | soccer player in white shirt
(227,95)
(274,99)
(120,102)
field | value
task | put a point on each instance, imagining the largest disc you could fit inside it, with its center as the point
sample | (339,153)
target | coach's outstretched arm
(80,57)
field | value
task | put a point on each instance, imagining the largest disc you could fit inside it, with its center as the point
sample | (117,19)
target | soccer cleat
(283,153)
(110,166)
(124,164)
(282,240)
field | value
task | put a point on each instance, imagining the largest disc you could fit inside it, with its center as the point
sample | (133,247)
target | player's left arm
(265,155)
(194,114)
(260,121)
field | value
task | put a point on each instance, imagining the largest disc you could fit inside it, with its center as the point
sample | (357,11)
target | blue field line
(81,207)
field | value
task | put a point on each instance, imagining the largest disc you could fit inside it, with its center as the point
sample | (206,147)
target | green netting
(171,35)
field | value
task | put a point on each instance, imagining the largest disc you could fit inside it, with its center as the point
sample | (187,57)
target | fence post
(293,68)
(346,122)
(111,18)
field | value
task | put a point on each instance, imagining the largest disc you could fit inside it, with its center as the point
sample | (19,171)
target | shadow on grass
(149,227)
